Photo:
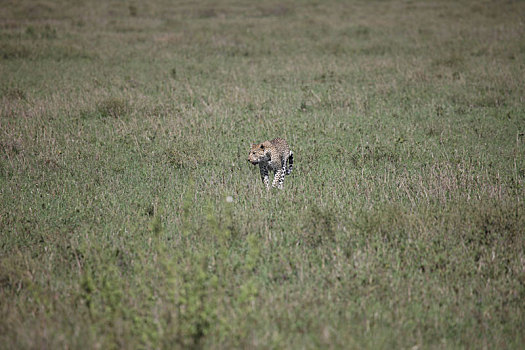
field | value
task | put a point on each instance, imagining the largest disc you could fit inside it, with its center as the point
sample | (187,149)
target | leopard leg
(264,175)
(282,175)
(277,177)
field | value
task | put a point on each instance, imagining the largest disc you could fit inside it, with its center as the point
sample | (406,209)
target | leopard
(274,155)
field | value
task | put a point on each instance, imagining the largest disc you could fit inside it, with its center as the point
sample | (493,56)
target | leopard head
(259,152)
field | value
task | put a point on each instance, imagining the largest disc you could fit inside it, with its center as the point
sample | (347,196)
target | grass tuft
(113,108)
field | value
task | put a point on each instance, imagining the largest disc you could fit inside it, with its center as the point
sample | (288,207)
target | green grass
(124,125)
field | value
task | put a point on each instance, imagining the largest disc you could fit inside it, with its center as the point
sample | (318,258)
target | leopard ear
(254,145)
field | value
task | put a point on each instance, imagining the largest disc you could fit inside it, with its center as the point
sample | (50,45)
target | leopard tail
(290,164)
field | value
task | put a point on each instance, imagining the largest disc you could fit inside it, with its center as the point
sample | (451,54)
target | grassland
(124,125)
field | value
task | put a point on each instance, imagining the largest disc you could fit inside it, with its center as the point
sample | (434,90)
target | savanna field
(130,217)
